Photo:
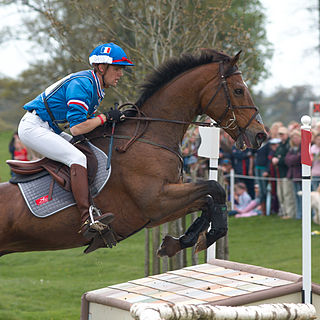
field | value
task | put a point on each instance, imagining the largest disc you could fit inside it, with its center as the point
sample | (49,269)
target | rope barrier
(267,178)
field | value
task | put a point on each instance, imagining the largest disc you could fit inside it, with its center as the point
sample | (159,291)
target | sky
(291,28)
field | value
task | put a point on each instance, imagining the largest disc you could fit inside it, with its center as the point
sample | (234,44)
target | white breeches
(37,135)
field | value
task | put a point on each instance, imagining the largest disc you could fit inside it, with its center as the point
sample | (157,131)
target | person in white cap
(74,100)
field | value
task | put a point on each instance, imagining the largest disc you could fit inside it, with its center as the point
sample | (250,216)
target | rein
(200,124)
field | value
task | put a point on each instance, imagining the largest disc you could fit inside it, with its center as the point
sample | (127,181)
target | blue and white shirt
(73,99)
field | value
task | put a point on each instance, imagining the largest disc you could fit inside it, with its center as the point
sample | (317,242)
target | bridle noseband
(231,123)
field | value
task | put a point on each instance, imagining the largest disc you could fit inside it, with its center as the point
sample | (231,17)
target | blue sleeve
(79,95)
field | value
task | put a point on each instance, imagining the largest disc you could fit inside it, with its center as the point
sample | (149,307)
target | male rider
(75,99)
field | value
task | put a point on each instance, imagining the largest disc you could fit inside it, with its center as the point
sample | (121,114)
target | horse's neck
(178,100)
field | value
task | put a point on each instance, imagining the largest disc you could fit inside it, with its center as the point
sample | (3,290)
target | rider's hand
(115,116)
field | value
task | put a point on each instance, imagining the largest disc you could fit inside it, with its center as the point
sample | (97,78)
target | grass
(5,138)
(49,285)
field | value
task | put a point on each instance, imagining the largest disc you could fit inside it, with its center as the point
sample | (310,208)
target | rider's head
(108,60)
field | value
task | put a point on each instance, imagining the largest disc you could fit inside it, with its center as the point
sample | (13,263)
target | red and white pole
(306,163)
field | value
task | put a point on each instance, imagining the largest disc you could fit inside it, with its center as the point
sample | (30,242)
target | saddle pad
(36,192)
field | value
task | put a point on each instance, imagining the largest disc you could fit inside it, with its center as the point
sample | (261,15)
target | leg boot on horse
(218,217)
(80,189)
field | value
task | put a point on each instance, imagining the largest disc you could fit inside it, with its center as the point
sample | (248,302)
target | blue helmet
(109,53)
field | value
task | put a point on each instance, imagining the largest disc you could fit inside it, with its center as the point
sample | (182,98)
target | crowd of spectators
(278,158)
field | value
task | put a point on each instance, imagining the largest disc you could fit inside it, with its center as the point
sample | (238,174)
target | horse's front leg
(211,201)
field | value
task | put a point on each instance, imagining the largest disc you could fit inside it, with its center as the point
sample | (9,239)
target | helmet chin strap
(103,74)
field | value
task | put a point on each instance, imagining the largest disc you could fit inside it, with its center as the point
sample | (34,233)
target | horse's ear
(235,59)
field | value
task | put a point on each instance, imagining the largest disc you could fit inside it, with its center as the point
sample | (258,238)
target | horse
(145,188)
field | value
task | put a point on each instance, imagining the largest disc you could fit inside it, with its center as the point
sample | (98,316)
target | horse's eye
(238,92)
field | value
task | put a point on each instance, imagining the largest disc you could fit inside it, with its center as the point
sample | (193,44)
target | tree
(150,31)
(286,104)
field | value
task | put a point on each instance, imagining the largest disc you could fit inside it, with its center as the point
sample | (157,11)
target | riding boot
(191,236)
(80,190)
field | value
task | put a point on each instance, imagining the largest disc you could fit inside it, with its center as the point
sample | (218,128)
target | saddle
(29,170)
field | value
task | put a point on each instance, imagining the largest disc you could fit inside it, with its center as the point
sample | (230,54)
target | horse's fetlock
(191,236)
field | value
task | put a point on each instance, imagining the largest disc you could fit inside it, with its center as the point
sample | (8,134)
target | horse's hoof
(201,243)
(169,247)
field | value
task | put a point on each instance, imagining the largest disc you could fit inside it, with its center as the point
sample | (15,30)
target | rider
(75,99)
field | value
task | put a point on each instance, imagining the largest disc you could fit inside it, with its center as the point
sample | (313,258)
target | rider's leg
(80,190)
(37,135)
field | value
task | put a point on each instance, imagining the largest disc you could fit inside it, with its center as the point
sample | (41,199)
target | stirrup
(93,210)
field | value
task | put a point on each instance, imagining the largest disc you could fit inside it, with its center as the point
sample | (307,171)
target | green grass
(5,138)
(49,285)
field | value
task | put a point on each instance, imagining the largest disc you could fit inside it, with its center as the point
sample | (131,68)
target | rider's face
(113,75)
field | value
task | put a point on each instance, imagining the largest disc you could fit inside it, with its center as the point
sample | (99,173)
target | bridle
(231,123)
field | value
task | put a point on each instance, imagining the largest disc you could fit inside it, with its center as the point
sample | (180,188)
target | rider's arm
(88,125)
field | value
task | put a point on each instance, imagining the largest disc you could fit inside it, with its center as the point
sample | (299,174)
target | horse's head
(227,100)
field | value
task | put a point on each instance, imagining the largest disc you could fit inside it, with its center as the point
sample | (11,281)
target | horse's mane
(175,66)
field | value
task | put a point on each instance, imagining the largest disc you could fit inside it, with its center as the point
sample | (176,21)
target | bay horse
(145,188)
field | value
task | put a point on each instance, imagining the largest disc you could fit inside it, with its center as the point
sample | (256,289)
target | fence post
(209,148)
(232,188)
(306,163)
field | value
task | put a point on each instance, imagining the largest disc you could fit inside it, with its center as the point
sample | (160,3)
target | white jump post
(306,163)
(209,148)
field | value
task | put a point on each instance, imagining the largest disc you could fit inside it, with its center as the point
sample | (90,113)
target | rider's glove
(115,116)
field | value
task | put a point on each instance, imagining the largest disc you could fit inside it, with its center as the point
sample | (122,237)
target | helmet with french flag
(109,53)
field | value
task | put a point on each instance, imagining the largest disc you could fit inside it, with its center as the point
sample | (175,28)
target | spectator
(274,129)
(253,208)
(315,170)
(190,152)
(226,166)
(11,144)
(242,163)
(261,166)
(293,125)
(241,197)
(293,161)
(226,144)
(20,151)
(273,172)
(284,185)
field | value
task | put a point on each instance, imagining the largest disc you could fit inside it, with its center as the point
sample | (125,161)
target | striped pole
(209,148)
(306,163)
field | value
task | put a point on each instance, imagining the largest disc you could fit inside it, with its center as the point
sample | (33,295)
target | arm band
(101,119)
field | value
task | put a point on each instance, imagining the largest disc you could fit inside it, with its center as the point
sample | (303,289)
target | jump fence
(280,311)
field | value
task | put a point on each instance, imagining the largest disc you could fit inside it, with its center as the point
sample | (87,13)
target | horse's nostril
(260,137)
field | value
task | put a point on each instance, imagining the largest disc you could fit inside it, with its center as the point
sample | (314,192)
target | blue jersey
(73,99)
